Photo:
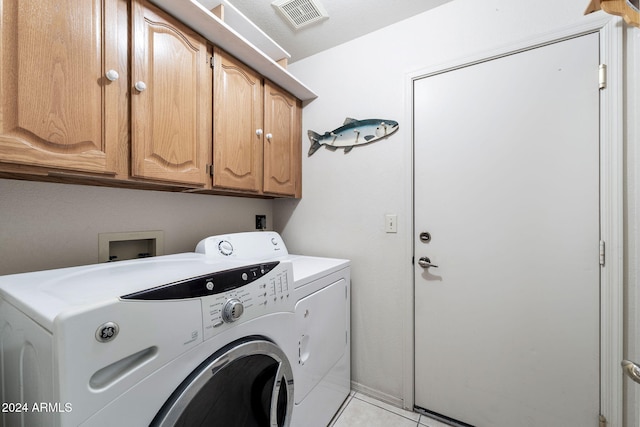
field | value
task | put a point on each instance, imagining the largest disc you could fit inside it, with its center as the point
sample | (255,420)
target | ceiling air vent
(300,13)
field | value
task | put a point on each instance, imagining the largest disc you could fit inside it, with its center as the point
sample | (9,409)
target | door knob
(140,86)
(425,262)
(632,370)
(112,75)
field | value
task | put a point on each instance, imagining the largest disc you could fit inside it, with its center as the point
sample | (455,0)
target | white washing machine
(178,340)
(322,293)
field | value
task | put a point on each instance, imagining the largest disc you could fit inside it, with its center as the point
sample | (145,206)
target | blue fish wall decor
(353,132)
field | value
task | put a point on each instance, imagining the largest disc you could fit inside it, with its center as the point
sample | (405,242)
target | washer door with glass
(248,383)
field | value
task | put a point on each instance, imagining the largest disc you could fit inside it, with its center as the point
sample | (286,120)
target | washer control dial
(232,310)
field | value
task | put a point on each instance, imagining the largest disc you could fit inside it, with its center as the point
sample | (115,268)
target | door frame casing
(611,202)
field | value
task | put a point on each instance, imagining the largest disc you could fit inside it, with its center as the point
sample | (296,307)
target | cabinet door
(170,99)
(237,125)
(57,109)
(282,144)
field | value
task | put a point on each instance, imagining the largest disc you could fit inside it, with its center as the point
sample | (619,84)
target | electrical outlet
(391,223)
(261,222)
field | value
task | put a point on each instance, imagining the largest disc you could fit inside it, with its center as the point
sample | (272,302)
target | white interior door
(507,185)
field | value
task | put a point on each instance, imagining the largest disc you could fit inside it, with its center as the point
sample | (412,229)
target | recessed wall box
(130,245)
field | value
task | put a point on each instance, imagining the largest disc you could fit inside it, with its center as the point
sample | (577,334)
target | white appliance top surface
(43,295)
(259,246)
(307,268)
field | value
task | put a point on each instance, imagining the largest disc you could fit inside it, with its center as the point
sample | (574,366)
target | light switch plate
(391,223)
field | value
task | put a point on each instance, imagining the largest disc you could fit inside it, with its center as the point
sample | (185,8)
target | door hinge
(602,253)
(602,76)
(212,62)
(210,169)
(603,421)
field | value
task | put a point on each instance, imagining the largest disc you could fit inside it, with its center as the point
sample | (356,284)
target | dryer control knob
(232,310)
(225,247)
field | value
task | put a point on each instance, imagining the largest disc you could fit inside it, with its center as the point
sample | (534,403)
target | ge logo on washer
(107,331)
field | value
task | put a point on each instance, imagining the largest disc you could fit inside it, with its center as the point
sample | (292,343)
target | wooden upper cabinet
(58,110)
(120,89)
(171,99)
(237,125)
(282,145)
(257,127)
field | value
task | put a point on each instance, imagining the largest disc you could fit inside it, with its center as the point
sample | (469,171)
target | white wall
(347,195)
(632,221)
(45,225)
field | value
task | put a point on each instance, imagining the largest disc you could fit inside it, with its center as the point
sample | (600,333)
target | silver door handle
(425,262)
(632,370)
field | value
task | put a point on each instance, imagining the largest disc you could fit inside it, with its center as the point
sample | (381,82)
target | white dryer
(322,294)
(178,340)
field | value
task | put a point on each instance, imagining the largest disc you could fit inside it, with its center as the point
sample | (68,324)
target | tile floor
(363,411)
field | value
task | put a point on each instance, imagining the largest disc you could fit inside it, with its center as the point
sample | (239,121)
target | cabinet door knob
(140,86)
(112,75)
(259,132)
(269,136)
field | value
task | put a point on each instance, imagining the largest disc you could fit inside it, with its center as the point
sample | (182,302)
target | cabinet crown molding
(219,33)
